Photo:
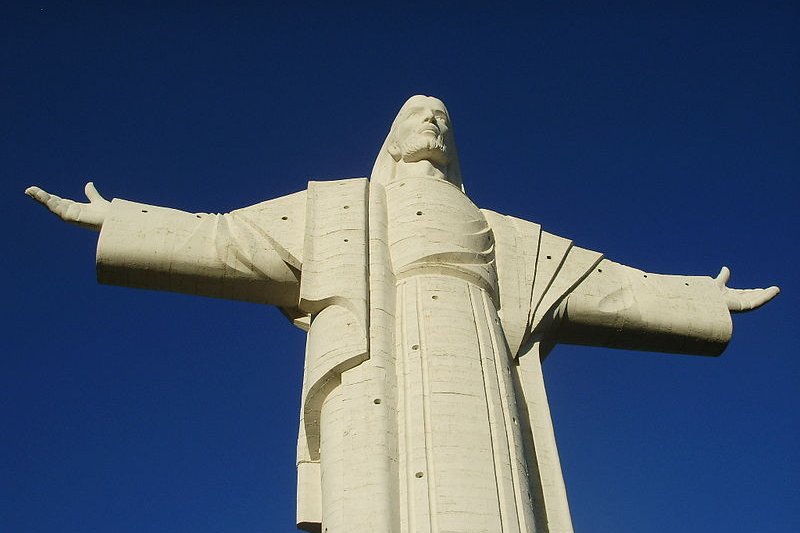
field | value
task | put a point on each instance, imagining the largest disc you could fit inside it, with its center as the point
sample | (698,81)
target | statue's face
(421,131)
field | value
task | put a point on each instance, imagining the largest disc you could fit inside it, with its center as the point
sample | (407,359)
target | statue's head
(421,132)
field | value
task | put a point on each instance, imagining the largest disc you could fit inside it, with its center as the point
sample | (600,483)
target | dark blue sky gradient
(664,136)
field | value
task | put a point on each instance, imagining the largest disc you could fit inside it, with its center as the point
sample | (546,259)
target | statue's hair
(385,164)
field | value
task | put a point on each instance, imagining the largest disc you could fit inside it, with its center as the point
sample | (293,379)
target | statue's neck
(419,169)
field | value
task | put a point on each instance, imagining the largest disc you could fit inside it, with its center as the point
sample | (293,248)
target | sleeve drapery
(621,307)
(252,254)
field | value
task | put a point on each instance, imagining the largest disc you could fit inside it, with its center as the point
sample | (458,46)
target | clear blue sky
(664,135)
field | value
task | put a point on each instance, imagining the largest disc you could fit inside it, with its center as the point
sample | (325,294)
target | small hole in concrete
(376,401)
(419,213)
(549,257)
(686,284)
(198,216)
(347,240)
(645,275)
(144,210)
(434,297)
(284,218)
(403,184)
(599,269)
(415,347)
(347,207)
(418,475)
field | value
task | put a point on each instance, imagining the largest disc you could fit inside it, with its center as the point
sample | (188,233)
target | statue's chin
(434,154)
(436,159)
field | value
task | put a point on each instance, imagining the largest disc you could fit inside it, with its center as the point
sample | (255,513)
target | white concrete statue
(423,406)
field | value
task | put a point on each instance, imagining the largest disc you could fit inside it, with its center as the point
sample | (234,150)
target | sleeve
(621,307)
(252,254)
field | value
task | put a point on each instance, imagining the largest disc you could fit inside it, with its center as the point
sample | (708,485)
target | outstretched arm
(622,307)
(238,255)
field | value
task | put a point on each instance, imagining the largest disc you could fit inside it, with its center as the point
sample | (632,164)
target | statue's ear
(394,150)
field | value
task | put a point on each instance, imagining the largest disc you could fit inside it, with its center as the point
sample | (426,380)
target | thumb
(723,276)
(91,193)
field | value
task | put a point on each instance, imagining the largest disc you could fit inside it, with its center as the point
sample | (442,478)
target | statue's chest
(432,223)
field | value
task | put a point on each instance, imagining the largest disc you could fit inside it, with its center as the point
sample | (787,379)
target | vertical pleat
(461,464)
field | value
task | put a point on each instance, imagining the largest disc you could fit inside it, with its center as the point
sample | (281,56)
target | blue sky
(663,134)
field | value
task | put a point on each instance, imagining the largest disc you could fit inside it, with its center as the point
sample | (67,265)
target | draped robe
(423,406)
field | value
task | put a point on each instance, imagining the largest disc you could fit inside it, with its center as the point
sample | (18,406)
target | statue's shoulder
(510,223)
(516,248)
(536,269)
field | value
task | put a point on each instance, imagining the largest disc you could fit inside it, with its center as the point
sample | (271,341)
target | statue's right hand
(88,215)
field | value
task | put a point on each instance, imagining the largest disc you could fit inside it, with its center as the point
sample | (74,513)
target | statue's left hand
(88,215)
(740,300)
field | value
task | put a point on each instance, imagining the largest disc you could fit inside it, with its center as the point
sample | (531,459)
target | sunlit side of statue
(423,406)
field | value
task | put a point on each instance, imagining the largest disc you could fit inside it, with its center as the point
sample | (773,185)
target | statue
(423,405)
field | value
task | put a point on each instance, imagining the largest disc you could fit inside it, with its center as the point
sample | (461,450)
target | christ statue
(423,407)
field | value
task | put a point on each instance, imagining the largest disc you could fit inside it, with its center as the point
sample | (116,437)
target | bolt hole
(376,401)
(415,347)
(418,475)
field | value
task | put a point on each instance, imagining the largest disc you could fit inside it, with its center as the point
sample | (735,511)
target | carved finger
(38,194)
(765,296)
(72,212)
(723,276)
(91,193)
(741,300)
(57,205)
